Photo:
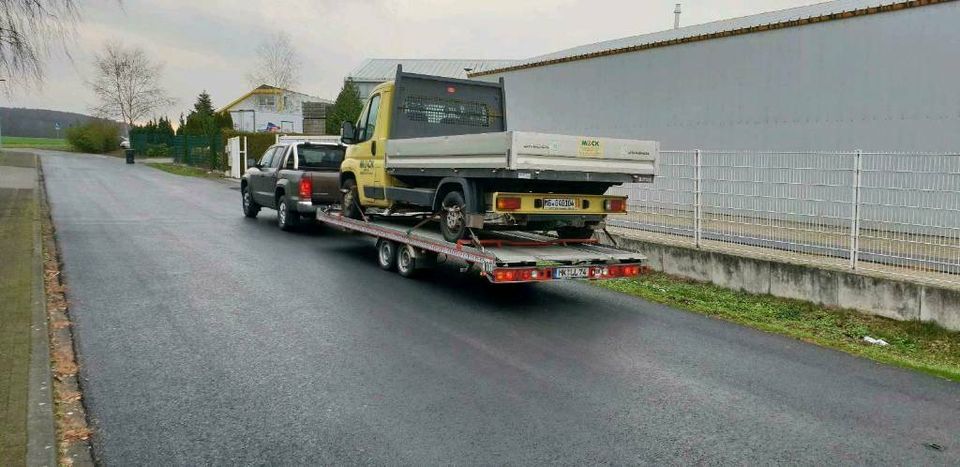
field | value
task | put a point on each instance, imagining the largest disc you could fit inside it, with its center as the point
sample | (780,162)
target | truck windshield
(321,157)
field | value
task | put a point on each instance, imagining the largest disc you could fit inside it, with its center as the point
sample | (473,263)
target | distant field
(13,142)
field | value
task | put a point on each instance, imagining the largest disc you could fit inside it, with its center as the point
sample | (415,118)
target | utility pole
(1,123)
(676,17)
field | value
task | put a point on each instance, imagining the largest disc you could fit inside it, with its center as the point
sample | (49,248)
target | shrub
(158,150)
(94,136)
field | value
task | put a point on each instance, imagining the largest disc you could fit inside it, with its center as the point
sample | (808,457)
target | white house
(268,108)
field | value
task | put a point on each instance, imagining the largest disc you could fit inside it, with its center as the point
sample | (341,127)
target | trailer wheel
(406,261)
(386,254)
(453,223)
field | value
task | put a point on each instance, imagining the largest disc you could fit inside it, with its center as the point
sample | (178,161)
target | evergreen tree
(346,108)
(182,125)
(204,104)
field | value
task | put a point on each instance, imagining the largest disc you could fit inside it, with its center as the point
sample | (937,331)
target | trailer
(411,242)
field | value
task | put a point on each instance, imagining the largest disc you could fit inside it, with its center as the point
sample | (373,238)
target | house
(374,71)
(272,109)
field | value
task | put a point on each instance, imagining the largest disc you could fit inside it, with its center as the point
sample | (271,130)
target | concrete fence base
(892,298)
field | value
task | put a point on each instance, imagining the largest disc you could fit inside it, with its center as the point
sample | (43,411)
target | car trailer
(406,243)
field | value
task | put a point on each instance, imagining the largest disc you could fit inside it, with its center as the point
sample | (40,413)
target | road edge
(41,432)
(72,425)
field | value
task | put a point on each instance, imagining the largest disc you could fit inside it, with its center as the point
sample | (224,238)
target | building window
(267,101)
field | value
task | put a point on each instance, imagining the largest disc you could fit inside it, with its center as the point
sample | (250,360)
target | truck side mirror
(348,133)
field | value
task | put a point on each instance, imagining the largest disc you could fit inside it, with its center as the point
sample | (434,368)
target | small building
(272,109)
(374,71)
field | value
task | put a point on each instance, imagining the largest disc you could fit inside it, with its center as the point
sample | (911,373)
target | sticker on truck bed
(590,147)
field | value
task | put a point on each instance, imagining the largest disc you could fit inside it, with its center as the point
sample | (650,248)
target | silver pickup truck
(293,178)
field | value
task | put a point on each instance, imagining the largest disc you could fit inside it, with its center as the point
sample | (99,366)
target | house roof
(384,69)
(791,17)
(267,89)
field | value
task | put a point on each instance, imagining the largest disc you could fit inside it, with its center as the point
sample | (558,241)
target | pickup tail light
(306,188)
(615,205)
(508,203)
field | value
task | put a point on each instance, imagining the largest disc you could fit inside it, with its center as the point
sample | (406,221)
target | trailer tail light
(508,204)
(306,188)
(615,205)
(522,275)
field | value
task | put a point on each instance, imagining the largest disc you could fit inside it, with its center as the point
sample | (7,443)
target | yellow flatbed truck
(441,145)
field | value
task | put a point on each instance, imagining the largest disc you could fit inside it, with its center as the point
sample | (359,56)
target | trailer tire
(406,261)
(350,200)
(386,254)
(453,223)
(250,207)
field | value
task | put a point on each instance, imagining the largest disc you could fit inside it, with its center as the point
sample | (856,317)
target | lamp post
(1,122)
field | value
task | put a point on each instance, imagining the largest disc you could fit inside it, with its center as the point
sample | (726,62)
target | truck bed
(524,151)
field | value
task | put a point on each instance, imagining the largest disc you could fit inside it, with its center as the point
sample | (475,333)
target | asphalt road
(208,338)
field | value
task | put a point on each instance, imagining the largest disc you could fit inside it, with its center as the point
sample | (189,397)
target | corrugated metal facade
(884,81)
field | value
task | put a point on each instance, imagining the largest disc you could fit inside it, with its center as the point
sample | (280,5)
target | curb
(41,433)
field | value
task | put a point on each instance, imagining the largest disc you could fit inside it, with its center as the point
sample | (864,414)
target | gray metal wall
(887,82)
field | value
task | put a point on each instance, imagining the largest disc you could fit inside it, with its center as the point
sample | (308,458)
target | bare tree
(277,63)
(127,84)
(28,31)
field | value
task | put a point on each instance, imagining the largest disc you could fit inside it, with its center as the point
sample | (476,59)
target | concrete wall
(879,82)
(891,298)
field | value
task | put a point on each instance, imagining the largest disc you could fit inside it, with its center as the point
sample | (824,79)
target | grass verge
(14,142)
(17,217)
(185,170)
(912,344)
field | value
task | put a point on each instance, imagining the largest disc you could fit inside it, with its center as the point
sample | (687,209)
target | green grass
(913,344)
(14,142)
(17,217)
(185,170)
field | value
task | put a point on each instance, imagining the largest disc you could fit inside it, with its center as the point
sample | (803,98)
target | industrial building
(847,74)
(374,71)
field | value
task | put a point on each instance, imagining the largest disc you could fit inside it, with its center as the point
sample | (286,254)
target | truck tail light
(615,205)
(508,204)
(306,188)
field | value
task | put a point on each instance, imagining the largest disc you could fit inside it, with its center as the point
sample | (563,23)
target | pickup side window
(278,156)
(369,119)
(321,157)
(289,164)
(267,158)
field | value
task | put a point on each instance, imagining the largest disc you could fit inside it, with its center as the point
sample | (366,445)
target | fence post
(697,199)
(855,217)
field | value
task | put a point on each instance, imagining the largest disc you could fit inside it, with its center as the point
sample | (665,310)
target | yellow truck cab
(441,145)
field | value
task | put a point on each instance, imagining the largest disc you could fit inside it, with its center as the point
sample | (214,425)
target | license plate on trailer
(559,203)
(571,273)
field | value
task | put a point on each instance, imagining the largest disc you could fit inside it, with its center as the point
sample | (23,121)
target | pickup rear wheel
(350,200)
(386,254)
(453,223)
(286,220)
(250,207)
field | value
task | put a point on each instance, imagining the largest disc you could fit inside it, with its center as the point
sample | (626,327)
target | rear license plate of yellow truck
(571,273)
(559,203)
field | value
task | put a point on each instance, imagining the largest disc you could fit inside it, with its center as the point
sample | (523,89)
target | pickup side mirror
(251,162)
(348,133)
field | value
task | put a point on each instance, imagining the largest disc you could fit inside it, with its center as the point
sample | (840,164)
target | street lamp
(1,122)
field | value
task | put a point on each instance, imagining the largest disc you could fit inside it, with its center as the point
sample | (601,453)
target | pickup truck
(440,145)
(293,178)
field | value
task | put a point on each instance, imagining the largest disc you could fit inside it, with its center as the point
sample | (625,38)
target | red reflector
(306,188)
(508,204)
(615,205)
(451,89)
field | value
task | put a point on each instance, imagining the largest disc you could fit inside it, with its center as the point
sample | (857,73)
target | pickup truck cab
(440,145)
(293,178)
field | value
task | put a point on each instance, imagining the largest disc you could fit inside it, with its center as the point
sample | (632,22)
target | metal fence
(197,150)
(890,211)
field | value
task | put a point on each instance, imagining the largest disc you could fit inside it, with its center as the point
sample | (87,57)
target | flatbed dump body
(501,257)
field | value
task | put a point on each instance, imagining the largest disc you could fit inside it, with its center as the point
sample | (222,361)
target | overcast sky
(209,44)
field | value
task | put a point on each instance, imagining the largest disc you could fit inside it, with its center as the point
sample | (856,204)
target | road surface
(205,337)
